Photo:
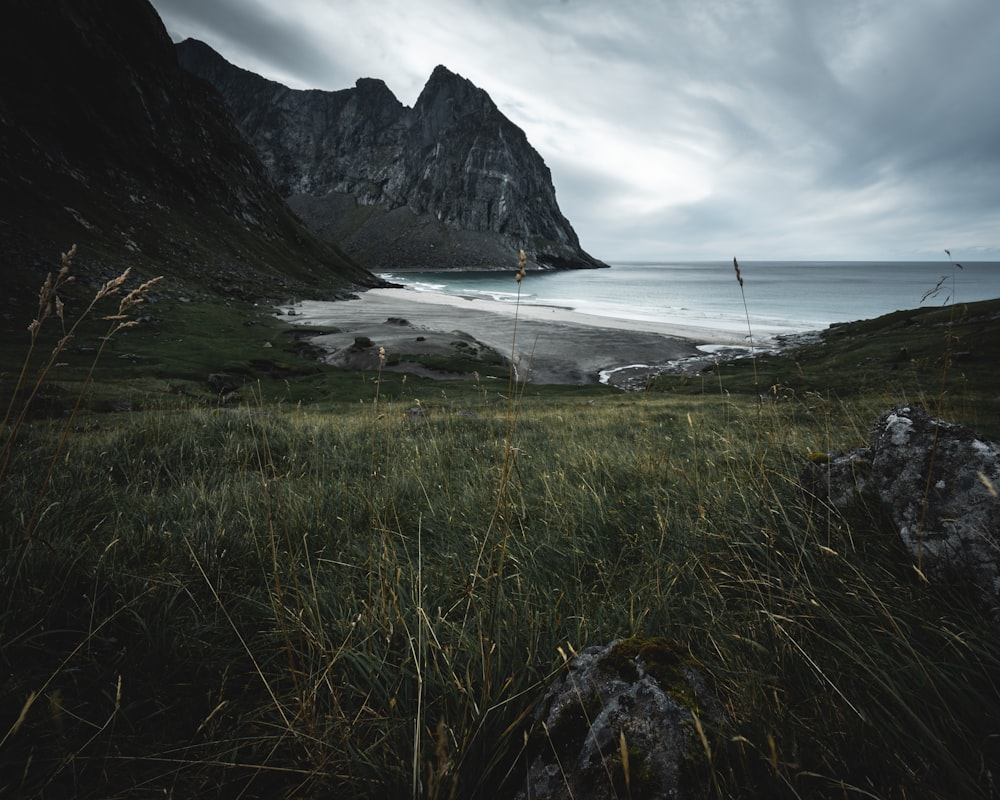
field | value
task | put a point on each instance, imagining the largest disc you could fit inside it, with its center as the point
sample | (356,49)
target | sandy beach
(553,345)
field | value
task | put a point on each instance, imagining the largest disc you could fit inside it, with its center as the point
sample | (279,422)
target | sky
(692,129)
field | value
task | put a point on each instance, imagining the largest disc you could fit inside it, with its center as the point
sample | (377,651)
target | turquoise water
(781,296)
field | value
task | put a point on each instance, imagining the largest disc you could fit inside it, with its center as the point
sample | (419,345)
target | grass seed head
(67,258)
(112,286)
(138,295)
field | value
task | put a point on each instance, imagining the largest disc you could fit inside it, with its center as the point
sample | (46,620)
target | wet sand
(552,345)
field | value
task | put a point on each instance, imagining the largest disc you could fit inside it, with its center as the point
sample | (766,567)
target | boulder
(620,723)
(935,482)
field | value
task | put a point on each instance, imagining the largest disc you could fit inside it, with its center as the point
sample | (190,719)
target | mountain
(105,141)
(450,182)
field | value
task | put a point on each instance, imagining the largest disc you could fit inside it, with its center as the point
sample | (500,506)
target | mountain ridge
(450,182)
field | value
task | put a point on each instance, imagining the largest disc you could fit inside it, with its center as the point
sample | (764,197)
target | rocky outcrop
(935,482)
(106,141)
(450,182)
(620,723)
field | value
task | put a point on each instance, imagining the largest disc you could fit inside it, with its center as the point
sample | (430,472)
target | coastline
(553,345)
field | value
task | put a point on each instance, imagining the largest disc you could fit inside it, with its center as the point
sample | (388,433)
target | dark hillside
(107,142)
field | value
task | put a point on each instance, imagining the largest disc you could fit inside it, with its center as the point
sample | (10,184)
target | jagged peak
(441,72)
(442,76)
(454,160)
(371,84)
(375,87)
(444,84)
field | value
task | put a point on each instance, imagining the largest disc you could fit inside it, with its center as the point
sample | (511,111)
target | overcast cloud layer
(691,129)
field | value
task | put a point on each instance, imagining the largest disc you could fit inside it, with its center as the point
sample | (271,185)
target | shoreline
(554,344)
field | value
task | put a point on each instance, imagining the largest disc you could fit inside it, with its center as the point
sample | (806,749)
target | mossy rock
(662,659)
(620,723)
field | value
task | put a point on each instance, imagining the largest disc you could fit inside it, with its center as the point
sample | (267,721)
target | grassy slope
(932,355)
(292,600)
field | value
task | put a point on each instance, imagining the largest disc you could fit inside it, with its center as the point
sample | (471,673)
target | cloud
(256,36)
(863,127)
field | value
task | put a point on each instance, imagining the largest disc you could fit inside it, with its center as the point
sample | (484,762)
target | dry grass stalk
(746,310)
(51,304)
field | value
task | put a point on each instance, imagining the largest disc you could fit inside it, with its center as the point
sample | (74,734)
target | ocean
(782,297)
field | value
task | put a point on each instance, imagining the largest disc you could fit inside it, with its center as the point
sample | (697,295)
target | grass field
(351,585)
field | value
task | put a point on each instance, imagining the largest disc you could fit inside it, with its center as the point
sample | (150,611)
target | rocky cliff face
(107,142)
(450,182)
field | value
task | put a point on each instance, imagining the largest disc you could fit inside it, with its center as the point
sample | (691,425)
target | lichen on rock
(936,483)
(620,723)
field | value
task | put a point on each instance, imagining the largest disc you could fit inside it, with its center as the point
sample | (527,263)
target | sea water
(781,297)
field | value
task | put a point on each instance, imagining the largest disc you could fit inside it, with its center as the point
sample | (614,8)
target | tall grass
(746,310)
(274,602)
(939,399)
